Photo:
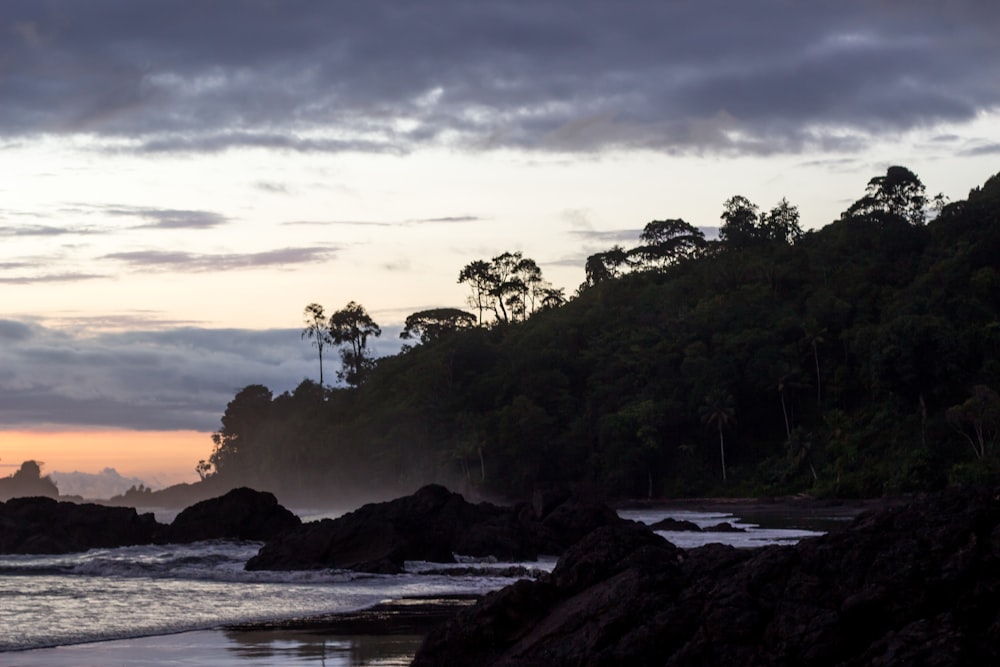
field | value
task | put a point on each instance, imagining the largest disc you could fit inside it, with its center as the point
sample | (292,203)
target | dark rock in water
(677,525)
(241,514)
(724,527)
(908,585)
(47,526)
(433,524)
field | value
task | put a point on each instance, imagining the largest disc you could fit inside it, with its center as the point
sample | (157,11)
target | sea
(108,595)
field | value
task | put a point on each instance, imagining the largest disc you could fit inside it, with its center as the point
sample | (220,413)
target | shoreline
(387,633)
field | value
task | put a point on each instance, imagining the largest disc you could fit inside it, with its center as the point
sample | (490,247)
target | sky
(179,180)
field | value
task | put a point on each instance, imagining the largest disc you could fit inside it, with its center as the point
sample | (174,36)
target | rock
(47,526)
(676,525)
(44,525)
(241,514)
(724,527)
(915,584)
(433,524)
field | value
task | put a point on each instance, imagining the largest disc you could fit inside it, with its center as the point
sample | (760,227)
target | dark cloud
(153,379)
(314,76)
(186,261)
(983,149)
(13,332)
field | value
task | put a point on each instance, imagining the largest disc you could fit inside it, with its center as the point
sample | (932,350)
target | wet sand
(387,634)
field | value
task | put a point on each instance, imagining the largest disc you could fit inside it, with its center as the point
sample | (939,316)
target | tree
(350,328)
(428,325)
(718,412)
(510,285)
(244,415)
(204,469)
(477,275)
(978,420)
(603,266)
(739,223)
(666,242)
(552,297)
(781,223)
(814,337)
(318,330)
(900,192)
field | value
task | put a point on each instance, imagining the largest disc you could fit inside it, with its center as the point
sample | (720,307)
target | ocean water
(112,594)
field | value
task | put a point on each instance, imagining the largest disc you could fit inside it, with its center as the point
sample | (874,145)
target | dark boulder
(241,514)
(47,526)
(676,525)
(724,527)
(916,584)
(433,525)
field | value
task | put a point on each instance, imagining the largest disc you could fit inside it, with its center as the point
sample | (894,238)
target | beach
(387,634)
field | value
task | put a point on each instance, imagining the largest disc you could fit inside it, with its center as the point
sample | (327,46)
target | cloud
(157,218)
(42,230)
(983,149)
(180,260)
(311,76)
(68,277)
(175,378)
(105,484)
(614,236)
(13,332)
(452,219)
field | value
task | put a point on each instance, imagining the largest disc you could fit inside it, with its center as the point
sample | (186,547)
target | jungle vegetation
(855,360)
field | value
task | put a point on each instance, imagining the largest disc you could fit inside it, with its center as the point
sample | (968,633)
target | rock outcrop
(46,526)
(916,584)
(241,514)
(433,524)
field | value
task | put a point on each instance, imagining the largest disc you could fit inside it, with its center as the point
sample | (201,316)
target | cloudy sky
(180,179)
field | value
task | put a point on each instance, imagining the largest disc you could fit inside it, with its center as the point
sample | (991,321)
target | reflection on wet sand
(313,647)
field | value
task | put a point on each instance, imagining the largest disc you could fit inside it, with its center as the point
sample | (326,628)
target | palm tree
(318,330)
(718,412)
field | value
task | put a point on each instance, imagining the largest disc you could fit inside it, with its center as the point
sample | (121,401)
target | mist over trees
(858,359)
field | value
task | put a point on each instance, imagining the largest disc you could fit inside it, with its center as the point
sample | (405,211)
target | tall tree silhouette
(350,327)
(318,331)
(718,412)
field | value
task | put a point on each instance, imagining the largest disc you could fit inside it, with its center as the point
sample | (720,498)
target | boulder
(676,525)
(433,525)
(915,584)
(47,526)
(240,514)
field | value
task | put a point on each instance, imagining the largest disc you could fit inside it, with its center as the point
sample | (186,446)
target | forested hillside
(858,359)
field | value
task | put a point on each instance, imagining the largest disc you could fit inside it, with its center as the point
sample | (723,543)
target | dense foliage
(856,360)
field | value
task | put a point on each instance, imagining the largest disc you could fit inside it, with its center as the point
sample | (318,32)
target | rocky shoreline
(903,583)
(912,584)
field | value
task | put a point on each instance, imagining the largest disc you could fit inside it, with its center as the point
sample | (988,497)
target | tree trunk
(722,451)
(788,430)
(819,394)
(923,422)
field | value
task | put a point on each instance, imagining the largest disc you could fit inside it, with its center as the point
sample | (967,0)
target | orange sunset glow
(160,458)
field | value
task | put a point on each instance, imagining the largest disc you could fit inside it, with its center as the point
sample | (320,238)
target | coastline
(388,633)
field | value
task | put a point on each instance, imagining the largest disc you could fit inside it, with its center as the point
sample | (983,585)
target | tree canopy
(858,359)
